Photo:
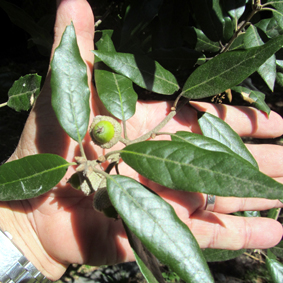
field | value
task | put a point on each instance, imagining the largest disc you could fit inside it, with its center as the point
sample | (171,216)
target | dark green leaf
(235,8)
(183,166)
(268,69)
(256,98)
(115,91)
(215,128)
(139,15)
(147,262)
(278,249)
(105,42)
(24,92)
(19,17)
(156,224)
(178,58)
(238,43)
(31,176)
(199,41)
(278,12)
(214,255)
(201,141)
(209,16)
(69,83)
(270,27)
(141,70)
(275,269)
(228,69)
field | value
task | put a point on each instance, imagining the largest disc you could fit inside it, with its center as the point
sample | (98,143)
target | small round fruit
(103,131)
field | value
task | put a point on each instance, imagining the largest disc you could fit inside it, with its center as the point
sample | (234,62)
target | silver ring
(210,203)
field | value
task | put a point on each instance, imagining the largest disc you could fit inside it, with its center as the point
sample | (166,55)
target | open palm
(67,226)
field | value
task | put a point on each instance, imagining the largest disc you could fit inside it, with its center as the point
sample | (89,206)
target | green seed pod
(102,203)
(105,131)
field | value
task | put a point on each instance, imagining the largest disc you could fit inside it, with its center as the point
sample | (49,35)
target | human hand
(61,227)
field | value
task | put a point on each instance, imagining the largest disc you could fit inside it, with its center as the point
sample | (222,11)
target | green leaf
(31,176)
(235,8)
(19,17)
(179,58)
(141,70)
(270,27)
(156,224)
(274,213)
(228,69)
(147,262)
(183,166)
(278,249)
(275,269)
(214,255)
(115,91)
(199,41)
(278,12)
(256,98)
(69,83)
(139,15)
(200,141)
(215,128)
(24,92)
(209,17)
(268,69)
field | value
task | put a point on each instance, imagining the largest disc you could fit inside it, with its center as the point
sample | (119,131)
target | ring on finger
(210,202)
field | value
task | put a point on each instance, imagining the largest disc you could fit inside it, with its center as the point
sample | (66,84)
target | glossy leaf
(141,70)
(69,83)
(215,128)
(183,166)
(198,41)
(31,176)
(156,224)
(235,8)
(270,27)
(275,269)
(268,69)
(278,12)
(201,141)
(147,262)
(115,91)
(256,98)
(228,69)
(214,255)
(24,92)
(210,18)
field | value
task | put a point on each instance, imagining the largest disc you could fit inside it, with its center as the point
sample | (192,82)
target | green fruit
(103,131)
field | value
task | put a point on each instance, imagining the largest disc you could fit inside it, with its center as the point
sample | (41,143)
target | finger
(269,158)
(246,121)
(232,204)
(221,231)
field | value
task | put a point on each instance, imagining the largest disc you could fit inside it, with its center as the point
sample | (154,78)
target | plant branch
(159,126)
(3,104)
(256,8)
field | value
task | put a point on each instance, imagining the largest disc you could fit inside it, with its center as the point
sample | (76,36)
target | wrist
(15,220)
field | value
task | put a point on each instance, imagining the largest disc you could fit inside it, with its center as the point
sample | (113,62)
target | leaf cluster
(183,50)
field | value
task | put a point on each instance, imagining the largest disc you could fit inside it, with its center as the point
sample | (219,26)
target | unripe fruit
(102,203)
(103,131)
